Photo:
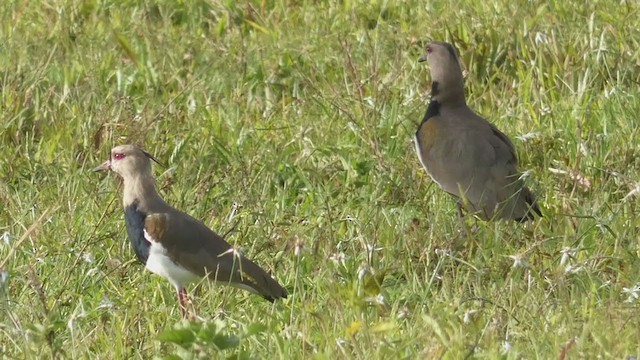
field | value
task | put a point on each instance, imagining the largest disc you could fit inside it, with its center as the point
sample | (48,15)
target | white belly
(159,263)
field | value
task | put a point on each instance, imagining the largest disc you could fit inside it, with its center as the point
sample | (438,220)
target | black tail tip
(277,294)
(532,214)
(271,299)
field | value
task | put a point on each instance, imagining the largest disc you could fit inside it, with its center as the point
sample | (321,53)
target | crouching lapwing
(174,245)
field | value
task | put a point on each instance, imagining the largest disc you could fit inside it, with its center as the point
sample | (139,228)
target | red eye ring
(118,156)
(429,49)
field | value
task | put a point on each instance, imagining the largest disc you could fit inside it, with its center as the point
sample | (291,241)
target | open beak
(104,166)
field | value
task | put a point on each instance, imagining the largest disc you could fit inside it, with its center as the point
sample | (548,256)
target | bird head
(128,161)
(445,67)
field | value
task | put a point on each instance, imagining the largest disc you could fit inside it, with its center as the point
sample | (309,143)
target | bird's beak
(422,58)
(104,166)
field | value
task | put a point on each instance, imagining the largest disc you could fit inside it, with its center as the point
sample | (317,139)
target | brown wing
(191,244)
(517,201)
(504,147)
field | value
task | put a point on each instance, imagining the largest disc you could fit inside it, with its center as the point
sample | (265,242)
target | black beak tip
(105,166)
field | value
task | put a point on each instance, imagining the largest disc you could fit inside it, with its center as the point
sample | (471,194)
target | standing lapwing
(463,153)
(173,244)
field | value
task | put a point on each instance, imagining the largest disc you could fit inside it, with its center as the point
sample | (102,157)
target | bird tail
(251,277)
(527,207)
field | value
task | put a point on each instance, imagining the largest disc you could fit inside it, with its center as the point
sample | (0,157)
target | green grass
(301,114)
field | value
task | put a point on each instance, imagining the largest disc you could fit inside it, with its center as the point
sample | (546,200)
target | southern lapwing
(465,154)
(173,244)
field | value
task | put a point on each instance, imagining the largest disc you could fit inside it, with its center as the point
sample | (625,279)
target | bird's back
(206,253)
(471,159)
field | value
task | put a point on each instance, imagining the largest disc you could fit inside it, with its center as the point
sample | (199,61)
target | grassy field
(299,116)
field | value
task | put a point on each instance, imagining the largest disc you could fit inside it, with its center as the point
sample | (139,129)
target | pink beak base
(104,166)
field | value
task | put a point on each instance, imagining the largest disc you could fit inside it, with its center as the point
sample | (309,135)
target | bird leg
(463,225)
(185,304)
(460,238)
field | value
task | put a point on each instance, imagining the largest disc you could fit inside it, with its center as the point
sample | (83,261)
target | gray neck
(142,189)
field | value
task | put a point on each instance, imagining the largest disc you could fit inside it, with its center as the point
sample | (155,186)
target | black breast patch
(434,89)
(135,228)
(432,111)
(434,106)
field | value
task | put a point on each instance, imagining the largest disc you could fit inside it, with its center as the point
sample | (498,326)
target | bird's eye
(118,156)
(429,49)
